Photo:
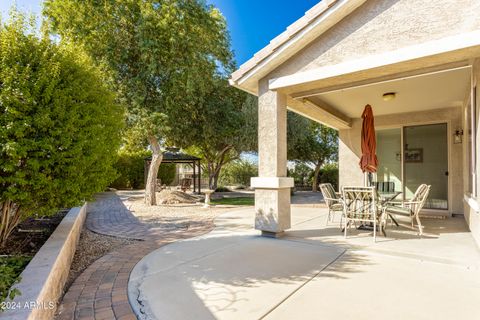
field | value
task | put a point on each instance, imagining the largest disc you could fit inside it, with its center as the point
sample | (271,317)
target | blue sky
(252,23)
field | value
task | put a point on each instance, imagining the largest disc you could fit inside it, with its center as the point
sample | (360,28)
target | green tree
(301,173)
(59,125)
(131,170)
(297,133)
(219,128)
(239,172)
(130,167)
(311,143)
(161,54)
(167,173)
(329,173)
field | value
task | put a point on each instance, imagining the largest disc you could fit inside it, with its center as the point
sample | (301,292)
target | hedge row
(329,174)
(130,169)
(238,173)
(303,174)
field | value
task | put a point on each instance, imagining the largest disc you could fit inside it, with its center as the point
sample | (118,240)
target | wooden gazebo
(173,155)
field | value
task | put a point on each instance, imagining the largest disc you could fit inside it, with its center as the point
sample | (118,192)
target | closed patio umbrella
(368,162)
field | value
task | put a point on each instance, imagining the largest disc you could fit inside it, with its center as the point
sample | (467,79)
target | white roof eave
(297,36)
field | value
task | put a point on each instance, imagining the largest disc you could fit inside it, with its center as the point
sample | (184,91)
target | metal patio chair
(185,184)
(332,199)
(384,186)
(361,204)
(410,208)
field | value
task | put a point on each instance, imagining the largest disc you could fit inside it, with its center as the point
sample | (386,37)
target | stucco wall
(471,202)
(272,133)
(473,220)
(350,150)
(384,25)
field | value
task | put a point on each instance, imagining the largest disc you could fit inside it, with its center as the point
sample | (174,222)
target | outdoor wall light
(457,137)
(388,96)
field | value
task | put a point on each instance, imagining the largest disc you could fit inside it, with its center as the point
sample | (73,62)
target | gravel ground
(91,247)
(175,197)
(173,215)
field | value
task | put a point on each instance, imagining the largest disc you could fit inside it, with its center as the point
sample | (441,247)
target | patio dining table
(384,198)
(388,196)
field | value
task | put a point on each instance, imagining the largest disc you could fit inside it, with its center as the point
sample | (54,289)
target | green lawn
(241,201)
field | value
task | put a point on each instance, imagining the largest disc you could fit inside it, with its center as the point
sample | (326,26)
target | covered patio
(415,63)
(311,272)
(339,57)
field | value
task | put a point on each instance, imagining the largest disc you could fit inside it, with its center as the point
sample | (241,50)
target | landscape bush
(167,172)
(10,269)
(238,172)
(222,189)
(59,125)
(301,173)
(329,174)
(130,168)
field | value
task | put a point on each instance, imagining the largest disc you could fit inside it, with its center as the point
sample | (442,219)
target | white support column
(272,187)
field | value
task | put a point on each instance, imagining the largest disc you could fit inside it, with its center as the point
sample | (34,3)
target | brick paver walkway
(109,216)
(100,292)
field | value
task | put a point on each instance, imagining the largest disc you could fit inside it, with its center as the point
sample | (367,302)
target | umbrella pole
(368,179)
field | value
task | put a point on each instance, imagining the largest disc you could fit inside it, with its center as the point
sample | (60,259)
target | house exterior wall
(380,26)
(350,148)
(470,201)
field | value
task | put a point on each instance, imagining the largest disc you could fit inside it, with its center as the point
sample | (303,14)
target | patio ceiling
(415,93)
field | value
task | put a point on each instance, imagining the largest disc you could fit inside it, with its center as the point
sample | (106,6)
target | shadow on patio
(231,270)
(225,274)
(234,273)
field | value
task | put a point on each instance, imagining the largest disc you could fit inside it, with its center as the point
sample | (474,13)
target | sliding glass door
(426,161)
(389,154)
(413,155)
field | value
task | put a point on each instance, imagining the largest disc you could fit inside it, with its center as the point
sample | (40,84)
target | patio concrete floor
(311,273)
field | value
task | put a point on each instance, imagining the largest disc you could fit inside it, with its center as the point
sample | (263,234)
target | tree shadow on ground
(224,271)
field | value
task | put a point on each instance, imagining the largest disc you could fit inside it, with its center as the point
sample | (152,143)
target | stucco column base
(269,234)
(272,205)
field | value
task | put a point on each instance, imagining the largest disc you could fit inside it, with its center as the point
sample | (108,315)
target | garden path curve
(100,292)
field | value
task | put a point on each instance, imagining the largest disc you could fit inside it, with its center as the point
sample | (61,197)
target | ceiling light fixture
(388,96)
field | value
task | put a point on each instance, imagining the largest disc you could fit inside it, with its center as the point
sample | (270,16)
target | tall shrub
(130,167)
(59,126)
(329,174)
(301,173)
(238,172)
(167,172)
